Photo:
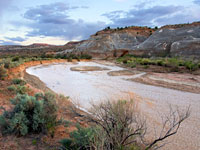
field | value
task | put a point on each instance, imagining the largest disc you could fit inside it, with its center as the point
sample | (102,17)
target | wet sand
(85,87)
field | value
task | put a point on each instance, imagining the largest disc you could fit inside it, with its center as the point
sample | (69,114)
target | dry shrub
(119,125)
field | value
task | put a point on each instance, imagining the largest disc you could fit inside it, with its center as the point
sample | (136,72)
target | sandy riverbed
(87,86)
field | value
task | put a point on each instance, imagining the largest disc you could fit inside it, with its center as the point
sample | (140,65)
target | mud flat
(88,68)
(122,73)
(85,87)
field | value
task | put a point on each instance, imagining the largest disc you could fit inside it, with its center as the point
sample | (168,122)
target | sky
(23,22)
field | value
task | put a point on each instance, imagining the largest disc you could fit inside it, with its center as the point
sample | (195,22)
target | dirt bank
(183,82)
(19,71)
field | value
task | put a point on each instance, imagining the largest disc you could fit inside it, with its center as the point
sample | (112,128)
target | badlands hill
(171,40)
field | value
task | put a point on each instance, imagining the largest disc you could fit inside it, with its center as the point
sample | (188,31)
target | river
(86,87)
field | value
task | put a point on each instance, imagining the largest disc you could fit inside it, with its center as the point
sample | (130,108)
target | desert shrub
(7,64)
(3,72)
(145,61)
(21,89)
(15,58)
(79,139)
(58,56)
(160,63)
(191,66)
(85,56)
(119,119)
(118,125)
(17,89)
(69,59)
(12,88)
(19,81)
(31,114)
(132,65)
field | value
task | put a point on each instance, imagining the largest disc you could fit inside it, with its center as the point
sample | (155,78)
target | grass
(174,63)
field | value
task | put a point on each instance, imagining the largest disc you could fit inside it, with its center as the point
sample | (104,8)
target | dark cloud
(53,13)
(16,39)
(2,42)
(145,16)
(197,2)
(54,20)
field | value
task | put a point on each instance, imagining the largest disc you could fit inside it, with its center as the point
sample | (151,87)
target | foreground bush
(31,114)
(118,125)
(79,139)
(17,89)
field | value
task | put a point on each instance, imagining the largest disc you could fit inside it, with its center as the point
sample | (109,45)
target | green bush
(15,58)
(19,81)
(3,72)
(80,139)
(18,89)
(12,88)
(191,66)
(174,63)
(31,114)
(85,56)
(21,89)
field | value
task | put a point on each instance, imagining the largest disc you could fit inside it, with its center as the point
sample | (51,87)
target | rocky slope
(175,40)
(112,42)
(172,40)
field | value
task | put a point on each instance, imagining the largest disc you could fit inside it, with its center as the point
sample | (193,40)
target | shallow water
(94,86)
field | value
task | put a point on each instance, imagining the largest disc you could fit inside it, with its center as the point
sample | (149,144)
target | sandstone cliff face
(183,41)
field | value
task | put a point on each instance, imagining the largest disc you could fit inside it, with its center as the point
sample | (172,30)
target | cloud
(151,16)
(16,39)
(2,42)
(54,20)
(197,2)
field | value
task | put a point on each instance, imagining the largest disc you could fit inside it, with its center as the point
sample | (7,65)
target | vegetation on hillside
(176,64)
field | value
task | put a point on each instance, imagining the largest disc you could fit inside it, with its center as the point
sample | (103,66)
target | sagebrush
(30,114)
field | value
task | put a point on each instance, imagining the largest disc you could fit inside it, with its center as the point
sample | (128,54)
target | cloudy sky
(59,21)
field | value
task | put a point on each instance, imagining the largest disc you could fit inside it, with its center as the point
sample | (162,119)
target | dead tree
(170,126)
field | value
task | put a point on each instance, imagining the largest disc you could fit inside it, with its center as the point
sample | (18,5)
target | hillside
(112,42)
(170,40)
